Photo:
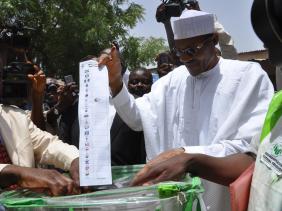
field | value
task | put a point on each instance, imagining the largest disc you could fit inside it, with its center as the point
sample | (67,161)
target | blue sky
(233,15)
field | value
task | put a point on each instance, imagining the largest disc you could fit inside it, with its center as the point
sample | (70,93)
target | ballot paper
(94,138)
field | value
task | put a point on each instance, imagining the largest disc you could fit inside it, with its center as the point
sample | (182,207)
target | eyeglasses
(191,51)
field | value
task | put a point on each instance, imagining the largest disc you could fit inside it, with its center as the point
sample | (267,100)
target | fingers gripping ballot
(113,63)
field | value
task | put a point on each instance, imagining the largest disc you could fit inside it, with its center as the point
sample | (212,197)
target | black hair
(144,70)
(164,57)
(88,57)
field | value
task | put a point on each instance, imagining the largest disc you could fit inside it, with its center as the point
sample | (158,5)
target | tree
(66,31)
(139,51)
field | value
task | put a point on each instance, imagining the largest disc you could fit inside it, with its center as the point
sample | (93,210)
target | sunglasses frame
(192,51)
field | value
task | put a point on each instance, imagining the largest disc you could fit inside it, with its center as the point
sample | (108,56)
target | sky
(235,16)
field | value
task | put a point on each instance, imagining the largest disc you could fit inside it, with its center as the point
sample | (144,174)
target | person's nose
(186,58)
(139,83)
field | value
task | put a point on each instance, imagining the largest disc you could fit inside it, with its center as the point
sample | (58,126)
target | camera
(14,42)
(68,79)
(14,80)
(172,8)
(266,19)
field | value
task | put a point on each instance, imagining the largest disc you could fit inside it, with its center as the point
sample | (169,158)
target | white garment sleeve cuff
(3,166)
(121,98)
(72,153)
(254,145)
(195,149)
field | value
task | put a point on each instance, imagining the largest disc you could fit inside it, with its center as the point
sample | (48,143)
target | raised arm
(38,83)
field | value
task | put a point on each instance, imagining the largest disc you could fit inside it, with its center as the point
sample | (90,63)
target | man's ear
(215,38)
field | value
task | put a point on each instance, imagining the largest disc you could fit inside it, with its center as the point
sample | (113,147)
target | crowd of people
(204,116)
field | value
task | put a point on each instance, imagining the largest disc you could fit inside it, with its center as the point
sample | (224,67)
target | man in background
(127,145)
(165,63)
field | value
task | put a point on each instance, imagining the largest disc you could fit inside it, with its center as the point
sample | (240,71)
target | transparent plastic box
(169,196)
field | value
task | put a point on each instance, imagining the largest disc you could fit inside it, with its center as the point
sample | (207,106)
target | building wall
(257,55)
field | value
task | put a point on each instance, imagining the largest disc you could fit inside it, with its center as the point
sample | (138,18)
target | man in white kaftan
(215,113)
(224,107)
(211,105)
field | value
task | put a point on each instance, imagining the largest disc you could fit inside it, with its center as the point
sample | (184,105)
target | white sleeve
(221,149)
(245,119)
(218,150)
(127,109)
(137,112)
(225,42)
(48,149)
(254,146)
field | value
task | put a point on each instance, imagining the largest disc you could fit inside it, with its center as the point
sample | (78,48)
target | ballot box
(167,196)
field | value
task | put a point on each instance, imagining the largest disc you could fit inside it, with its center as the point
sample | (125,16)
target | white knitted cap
(193,23)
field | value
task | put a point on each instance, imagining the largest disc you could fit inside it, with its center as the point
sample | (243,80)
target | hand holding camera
(174,8)
(66,96)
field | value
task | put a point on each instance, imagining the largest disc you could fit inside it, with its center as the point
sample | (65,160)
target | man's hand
(67,96)
(38,81)
(113,63)
(156,161)
(41,180)
(74,171)
(173,168)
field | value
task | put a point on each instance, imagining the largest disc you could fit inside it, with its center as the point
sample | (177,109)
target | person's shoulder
(176,74)
(238,63)
(13,110)
(237,66)
(179,71)
(172,78)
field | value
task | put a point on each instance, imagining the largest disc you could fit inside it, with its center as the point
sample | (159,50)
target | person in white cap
(209,105)
(225,41)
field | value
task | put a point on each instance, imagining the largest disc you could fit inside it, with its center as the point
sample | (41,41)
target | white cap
(193,23)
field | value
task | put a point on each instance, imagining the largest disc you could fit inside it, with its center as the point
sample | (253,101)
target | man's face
(165,64)
(140,82)
(164,69)
(197,53)
(52,94)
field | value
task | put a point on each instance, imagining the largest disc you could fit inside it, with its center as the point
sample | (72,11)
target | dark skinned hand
(67,96)
(155,162)
(41,180)
(172,169)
